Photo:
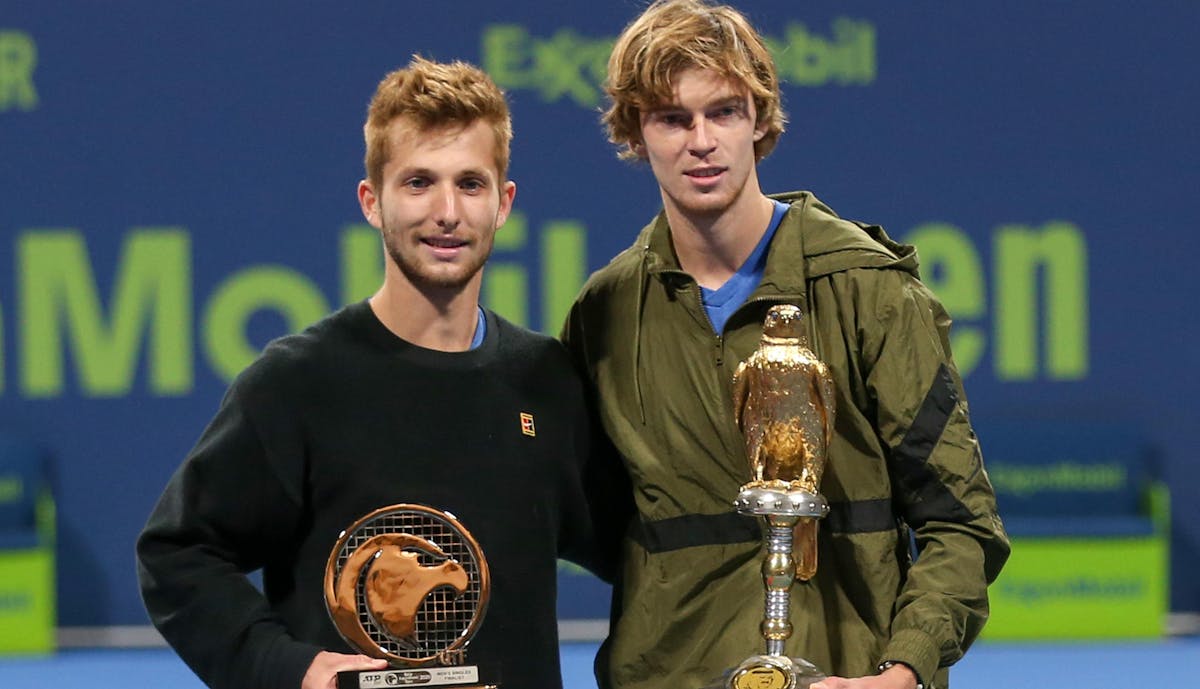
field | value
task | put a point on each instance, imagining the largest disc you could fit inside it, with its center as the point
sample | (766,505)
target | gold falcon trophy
(409,584)
(783,401)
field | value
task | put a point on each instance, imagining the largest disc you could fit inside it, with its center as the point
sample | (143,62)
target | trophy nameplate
(409,584)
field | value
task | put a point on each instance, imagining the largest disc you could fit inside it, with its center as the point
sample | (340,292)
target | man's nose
(700,141)
(446,207)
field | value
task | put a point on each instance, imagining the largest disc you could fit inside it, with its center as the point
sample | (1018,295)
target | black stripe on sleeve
(927,498)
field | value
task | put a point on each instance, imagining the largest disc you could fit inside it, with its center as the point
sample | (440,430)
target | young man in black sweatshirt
(416,395)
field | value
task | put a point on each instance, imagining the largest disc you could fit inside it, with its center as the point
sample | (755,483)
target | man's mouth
(704,172)
(442,242)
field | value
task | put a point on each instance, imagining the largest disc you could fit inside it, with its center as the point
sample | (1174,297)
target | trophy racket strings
(444,616)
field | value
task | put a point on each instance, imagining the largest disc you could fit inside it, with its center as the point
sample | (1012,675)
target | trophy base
(769,672)
(452,677)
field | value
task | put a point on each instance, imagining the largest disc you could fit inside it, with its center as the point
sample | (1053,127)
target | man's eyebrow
(662,107)
(472,172)
(715,103)
(730,100)
(420,171)
(413,171)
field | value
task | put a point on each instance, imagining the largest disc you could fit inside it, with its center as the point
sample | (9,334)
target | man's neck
(442,320)
(712,248)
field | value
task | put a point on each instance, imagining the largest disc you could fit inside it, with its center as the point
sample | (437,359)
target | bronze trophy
(783,401)
(409,584)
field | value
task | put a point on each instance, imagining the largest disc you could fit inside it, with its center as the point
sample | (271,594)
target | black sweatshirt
(333,423)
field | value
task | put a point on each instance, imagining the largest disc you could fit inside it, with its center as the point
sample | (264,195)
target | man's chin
(443,280)
(441,277)
(705,205)
(700,199)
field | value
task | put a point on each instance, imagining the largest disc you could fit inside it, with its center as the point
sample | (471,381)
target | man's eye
(416,183)
(472,184)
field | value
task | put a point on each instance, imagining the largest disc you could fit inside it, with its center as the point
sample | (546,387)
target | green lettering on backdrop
(1057,253)
(151,295)
(505,55)
(806,59)
(564,270)
(12,489)
(18,57)
(1024,480)
(506,283)
(571,67)
(59,305)
(566,65)
(362,262)
(237,298)
(950,266)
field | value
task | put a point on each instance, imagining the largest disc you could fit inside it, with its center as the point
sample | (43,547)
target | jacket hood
(810,235)
(810,229)
(831,244)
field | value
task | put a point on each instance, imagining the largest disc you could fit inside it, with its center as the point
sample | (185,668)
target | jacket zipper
(719,338)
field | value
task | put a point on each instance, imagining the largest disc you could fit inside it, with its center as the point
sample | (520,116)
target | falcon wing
(741,391)
(825,392)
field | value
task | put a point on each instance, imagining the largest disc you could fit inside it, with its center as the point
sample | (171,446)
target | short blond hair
(672,36)
(435,95)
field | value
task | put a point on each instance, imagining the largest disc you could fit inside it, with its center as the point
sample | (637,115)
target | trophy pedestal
(453,677)
(769,672)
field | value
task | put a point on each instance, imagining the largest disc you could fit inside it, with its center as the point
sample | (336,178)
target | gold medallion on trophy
(764,675)
(408,584)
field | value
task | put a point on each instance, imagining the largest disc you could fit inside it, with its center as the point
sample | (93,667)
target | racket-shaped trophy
(409,584)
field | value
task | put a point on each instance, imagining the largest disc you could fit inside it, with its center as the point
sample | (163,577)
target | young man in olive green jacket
(659,333)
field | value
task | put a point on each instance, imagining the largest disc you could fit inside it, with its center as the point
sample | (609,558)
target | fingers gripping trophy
(783,401)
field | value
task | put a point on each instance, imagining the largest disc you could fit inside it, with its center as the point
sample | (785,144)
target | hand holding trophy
(783,401)
(409,584)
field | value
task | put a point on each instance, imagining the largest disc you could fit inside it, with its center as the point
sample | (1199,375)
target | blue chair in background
(1090,528)
(27,566)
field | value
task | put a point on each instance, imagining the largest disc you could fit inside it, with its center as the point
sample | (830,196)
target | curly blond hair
(435,95)
(672,36)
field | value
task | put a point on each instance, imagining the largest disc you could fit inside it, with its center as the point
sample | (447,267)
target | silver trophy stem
(779,572)
(780,507)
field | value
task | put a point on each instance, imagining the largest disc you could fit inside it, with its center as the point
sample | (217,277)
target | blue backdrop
(177,186)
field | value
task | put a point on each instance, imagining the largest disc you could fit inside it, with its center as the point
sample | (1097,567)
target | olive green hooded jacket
(689,599)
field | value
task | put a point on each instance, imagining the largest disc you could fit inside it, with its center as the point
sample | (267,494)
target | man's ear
(507,193)
(368,201)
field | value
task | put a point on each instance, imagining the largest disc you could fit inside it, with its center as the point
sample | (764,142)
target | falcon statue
(783,401)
